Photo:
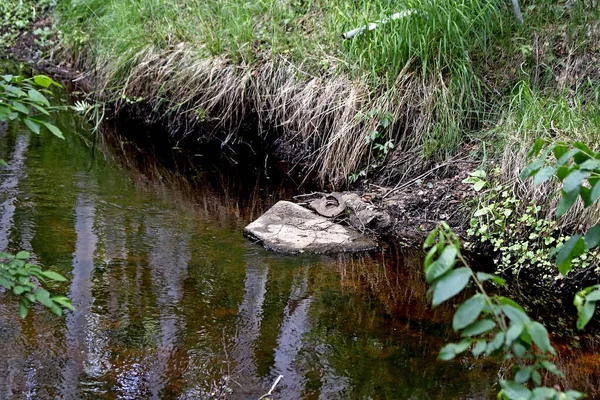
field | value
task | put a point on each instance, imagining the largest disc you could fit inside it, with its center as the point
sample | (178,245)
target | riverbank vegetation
(385,104)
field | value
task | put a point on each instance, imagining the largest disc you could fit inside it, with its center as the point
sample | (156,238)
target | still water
(173,303)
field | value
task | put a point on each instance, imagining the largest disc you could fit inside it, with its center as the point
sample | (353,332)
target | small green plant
(490,324)
(478,179)
(518,234)
(25,281)
(14,16)
(43,37)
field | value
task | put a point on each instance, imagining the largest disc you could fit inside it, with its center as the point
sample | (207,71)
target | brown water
(173,303)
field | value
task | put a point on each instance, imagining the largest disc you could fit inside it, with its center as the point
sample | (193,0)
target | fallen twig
(270,392)
(405,185)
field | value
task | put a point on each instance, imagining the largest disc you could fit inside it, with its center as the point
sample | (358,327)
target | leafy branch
(25,281)
(25,98)
(490,324)
(578,169)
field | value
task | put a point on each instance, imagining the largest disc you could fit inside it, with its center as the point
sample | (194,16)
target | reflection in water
(250,312)
(83,343)
(289,343)
(11,176)
(172,302)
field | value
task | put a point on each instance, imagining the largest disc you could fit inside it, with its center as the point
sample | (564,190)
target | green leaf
(550,367)
(23,309)
(55,308)
(510,302)
(442,265)
(479,327)
(483,276)
(563,159)
(590,165)
(542,393)
(22,255)
(513,332)
(495,344)
(55,131)
(595,192)
(479,347)
(32,125)
(64,301)
(519,349)
(45,81)
(593,296)
(536,148)
(43,297)
(20,107)
(14,90)
(5,283)
(430,238)
(450,285)
(574,395)
(559,150)
(574,247)
(449,351)
(540,337)
(523,374)
(39,108)
(566,202)
(39,98)
(20,290)
(514,314)
(573,181)
(514,390)
(592,237)
(468,312)
(54,276)
(585,313)
(532,168)
(479,185)
(543,175)
(537,379)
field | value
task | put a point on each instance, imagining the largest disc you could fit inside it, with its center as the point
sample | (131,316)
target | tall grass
(442,74)
(286,61)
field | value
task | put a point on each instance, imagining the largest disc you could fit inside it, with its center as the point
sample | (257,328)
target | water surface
(173,303)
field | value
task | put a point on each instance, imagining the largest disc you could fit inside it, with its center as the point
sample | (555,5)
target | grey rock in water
(290,228)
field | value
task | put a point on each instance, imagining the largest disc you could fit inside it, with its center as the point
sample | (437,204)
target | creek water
(172,301)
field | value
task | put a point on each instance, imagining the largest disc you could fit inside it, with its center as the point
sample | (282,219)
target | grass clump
(286,62)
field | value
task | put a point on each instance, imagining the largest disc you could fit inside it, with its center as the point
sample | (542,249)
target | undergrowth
(520,234)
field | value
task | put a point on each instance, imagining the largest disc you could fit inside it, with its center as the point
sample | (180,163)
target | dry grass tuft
(321,118)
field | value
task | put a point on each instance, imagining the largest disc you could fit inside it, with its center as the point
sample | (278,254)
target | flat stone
(290,228)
